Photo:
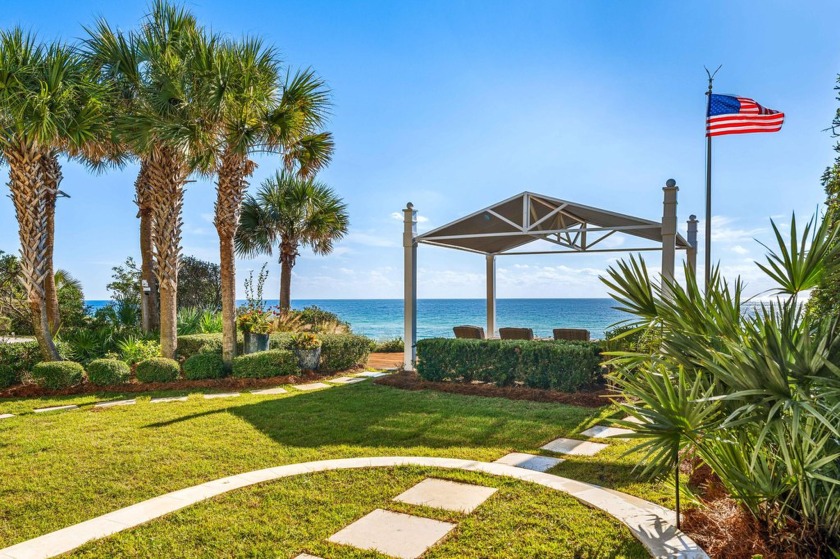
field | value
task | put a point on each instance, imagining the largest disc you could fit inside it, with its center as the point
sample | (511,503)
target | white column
(669,232)
(691,252)
(410,292)
(491,295)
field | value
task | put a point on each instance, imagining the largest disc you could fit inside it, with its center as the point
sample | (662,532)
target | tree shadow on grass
(372,416)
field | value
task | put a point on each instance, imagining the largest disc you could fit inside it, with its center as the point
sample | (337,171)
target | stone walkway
(650,523)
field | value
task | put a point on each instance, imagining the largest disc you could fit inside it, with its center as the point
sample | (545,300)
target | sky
(455,105)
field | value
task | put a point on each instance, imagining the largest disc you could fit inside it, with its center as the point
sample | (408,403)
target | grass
(284,518)
(65,467)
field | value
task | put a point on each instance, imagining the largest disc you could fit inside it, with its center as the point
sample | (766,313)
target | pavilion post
(410,292)
(691,251)
(669,234)
(491,295)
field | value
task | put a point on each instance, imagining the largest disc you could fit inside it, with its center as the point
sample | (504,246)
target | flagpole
(708,239)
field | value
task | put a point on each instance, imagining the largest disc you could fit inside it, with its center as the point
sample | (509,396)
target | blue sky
(456,105)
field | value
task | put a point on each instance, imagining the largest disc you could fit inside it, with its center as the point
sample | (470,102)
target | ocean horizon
(382,319)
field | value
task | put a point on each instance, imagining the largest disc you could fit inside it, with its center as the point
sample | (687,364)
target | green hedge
(203,343)
(338,351)
(104,372)
(157,369)
(203,366)
(20,357)
(271,363)
(58,374)
(555,365)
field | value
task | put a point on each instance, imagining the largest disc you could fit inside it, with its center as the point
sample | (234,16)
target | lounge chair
(516,333)
(469,332)
(571,334)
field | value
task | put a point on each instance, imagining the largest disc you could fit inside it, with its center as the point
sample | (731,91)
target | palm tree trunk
(150,307)
(29,194)
(230,189)
(288,253)
(52,177)
(167,176)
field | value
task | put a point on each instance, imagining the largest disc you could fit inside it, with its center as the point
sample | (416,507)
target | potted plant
(253,319)
(307,347)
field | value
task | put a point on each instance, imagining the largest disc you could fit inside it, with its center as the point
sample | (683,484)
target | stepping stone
(6,415)
(371,374)
(399,535)
(605,432)
(55,408)
(115,403)
(164,400)
(312,386)
(266,391)
(529,461)
(631,419)
(221,395)
(574,447)
(447,495)
(307,556)
(346,380)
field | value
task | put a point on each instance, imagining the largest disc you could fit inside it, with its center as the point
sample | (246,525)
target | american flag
(728,114)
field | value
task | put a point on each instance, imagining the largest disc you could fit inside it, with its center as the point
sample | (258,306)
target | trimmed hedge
(271,363)
(203,343)
(104,372)
(157,369)
(203,366)
(556,365)
(56,375)
(17,358)
(338,351)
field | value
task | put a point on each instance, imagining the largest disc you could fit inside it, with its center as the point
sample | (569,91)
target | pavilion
(507,227)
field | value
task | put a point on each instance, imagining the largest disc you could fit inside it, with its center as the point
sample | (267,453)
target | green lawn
(65,467)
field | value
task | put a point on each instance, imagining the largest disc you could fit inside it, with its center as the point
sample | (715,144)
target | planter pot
(255,342)
(308,359)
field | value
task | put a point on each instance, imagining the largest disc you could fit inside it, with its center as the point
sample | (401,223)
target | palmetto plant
(753,391)
(289,212)
(49,104)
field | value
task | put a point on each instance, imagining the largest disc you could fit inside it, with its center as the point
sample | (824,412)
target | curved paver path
(651,524)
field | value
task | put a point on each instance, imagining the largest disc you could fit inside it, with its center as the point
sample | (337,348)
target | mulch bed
(226,384)
(384,360)
(412,381)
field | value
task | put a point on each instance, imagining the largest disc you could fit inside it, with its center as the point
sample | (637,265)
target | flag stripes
(728,114)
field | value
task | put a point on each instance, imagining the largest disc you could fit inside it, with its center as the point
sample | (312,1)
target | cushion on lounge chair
(469,332)
(516,333)
(571,334)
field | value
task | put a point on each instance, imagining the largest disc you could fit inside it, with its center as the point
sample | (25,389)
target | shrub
(8,376)
(343,351)
(559,365)
(20,357)
(271,363)
(5,324)
(104,372)
(58,374)
(389,346)
(203,343)
(134,350)
(204,365)
(157,369)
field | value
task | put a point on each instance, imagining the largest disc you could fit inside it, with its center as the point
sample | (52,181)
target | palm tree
(287,212)
(170,129)
(48,104)
(254,117)
(116,58)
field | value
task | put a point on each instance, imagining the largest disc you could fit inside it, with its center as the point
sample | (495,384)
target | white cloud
(738,249)
(723,231)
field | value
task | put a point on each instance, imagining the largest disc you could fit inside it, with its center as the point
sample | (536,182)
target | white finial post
(669,233)
(691,252)
(410,292)
(491,295)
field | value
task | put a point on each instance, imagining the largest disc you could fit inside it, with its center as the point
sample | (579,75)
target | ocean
(382,319)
